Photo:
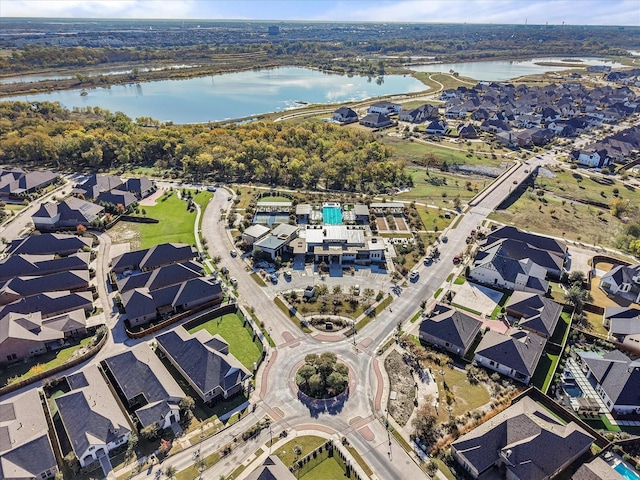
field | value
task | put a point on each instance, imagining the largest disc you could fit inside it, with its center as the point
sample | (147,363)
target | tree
(150,432)
(425,421)
(132,443)
(170,471)
(336,383)
(576,296)
(306,372)
(576,278)
(187,404)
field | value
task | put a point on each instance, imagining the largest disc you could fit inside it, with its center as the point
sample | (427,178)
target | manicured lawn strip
(307,444)
(459,281)
(358,458)
(281,305)
(262,328)
(258,279)
(444,469)
(467,397)
(329,469)
(544,371)
(275,199)
(437,293)
(241,344)
(192,472)
(40,363)
(467,309)
(416,316)
(503,301)
(561,328)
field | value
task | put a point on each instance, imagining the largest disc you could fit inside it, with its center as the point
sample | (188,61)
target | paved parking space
(476,297)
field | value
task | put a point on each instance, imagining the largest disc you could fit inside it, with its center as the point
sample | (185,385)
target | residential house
(467,130)
(38,265)
(271,469)
(508,139)
(596,469)
(149,389)
(450,328)
(437,127)
(616,379)
(205,362)
(18,183)
(143,305)
(95,184)
(375,120)
(20,287)
(419,115)
(49,244)
(161,277)
(113,198)
(50,304)
(515,354)
(385,108)
(69,213)
(534,312)
(140,187)
(154,257)
(525,441)
(623,322)
(27,335)
(25,448)
(91,417)
(592,159)
(344,116)
(624,281)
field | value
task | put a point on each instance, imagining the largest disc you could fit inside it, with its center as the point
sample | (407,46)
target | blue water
(501,70)
(231,95)
(626,472)
(332,215)
(572,390)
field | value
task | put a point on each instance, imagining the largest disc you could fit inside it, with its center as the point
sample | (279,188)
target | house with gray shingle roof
(205,362)
(344,116)
(616,379)
(534,312)
(624,281)
(71,212)
(450,329)
(154,257)
(38,265)
(50,303)
(140,187)
(375,120)
(25,448)
(17,183)
(271,469)
(525,441)
(91,417)
(621,322)
(150,390)
(49,243)
(596,469)
(515,355)
(20,287)
(91,188)
(162,277)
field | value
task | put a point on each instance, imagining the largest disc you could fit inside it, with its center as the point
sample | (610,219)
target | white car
(413,276)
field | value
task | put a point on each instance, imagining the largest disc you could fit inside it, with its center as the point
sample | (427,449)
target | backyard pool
(332,214)
(626,472)
(572,390)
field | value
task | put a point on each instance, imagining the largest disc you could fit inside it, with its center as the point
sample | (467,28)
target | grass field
(329,469)
(440,188)
(467,396)
(230,328)
(275,199)
(557,217)
(433,219)
(544,371)
(307,444)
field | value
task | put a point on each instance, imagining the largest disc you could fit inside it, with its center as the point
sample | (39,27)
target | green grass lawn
(433,219)
(430,189)
(467,397)
(561,328)
(274,198)
(307,444)
(40,363)
(544,371)
(176,223)
(241,344)
(329,469)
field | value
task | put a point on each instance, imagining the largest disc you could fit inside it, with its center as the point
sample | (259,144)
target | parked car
(233,253)
(413,276)
(233,281)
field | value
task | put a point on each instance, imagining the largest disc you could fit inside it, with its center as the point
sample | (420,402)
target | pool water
(332,215)
(626,472)
(572,390)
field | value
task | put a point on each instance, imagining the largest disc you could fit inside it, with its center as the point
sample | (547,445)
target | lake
(502,70)
(232,95)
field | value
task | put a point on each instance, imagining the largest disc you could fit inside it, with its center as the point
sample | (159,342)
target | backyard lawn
(561,328)
(544,371)
(41,363)
(467,397)
(307,444)
(329,469)
(241,344)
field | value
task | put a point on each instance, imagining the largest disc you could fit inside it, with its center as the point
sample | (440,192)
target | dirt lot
(381,223)
(400,223)
(402,383)
(123,232)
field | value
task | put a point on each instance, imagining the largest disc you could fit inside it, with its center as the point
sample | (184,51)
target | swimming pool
(332,215)
(626,472)
(572,390)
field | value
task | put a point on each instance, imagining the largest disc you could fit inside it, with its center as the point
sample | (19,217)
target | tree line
(307,155)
